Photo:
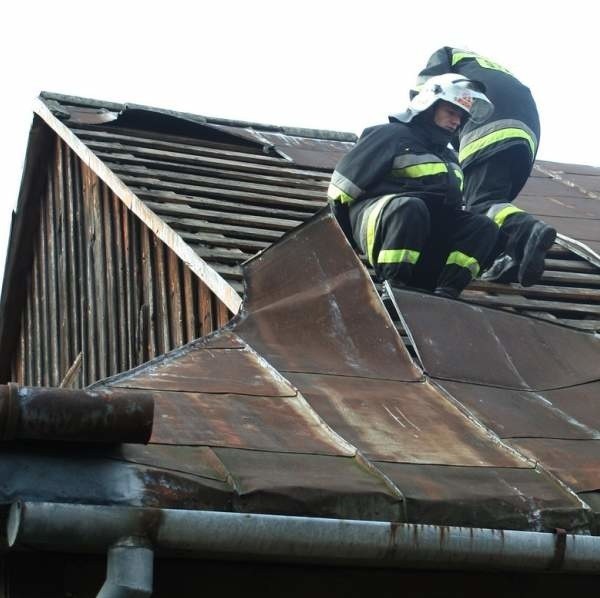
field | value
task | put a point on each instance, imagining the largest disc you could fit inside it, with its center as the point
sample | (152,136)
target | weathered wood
(230,272)
(557,251)
(273,194)
(223,314)
(72,373)
(218,205)
(520,303)
(216,283)
(245,232)
(201,148)
(43,299)
(90,188)
(148,301)
(52,279)
(562,293)
(250,245)
(570,265)
(217,254)
(80,210)
(579,278)
(205,309)
(25,346)
(120,259)
(316,185)
(110,274)
(24,228)
(98,249)
(74,283)
(238,206)
(63,303)
(131,309)
(175,302)
(136,268)
(37,375)
(242,200)
(224,217)
(162,306)
(117,152)
(189,305)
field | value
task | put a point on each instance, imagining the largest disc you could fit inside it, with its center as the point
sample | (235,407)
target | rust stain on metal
(560,547)
(314,282)
(77,415)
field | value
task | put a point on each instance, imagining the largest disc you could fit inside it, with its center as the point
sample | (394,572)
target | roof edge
(56,526)
(324,134)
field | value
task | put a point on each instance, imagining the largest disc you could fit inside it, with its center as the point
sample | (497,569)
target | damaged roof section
(328,396)
(229,189)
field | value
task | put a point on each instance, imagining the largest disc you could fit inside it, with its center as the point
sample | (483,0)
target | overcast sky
(340,65)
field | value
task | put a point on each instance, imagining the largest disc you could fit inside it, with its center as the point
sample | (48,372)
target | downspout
(219,535)
(129,570)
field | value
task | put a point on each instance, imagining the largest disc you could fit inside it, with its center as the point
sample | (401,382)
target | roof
(228,189)
(312,401)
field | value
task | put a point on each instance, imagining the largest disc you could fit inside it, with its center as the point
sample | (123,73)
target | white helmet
(458,90)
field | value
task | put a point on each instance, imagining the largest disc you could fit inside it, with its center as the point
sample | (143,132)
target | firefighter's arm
(367,162)
(439,63)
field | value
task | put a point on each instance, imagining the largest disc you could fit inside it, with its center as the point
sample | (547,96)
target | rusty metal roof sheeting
(309,402)
(494,348)
(325,426)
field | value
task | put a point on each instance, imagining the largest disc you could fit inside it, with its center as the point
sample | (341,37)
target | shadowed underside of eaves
(308,403)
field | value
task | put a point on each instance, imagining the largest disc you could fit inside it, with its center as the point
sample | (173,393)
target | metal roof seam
(344,445)
(493,437)
(518,454)
(508,387)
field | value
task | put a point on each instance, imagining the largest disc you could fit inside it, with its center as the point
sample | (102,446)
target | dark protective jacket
(406,159)
(515,120)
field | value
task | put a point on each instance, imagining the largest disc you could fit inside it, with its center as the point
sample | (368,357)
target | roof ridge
(310,133)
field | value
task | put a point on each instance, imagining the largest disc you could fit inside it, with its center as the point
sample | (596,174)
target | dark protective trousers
(495,181)
(426,245)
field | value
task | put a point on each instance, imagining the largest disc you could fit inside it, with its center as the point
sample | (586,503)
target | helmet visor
(474,103)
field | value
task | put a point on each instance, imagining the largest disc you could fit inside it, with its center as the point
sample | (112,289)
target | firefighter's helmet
(466,94)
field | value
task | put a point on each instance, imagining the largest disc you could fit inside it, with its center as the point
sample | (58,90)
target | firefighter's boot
(540,239)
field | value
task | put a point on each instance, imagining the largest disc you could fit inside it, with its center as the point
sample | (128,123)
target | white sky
(330,64)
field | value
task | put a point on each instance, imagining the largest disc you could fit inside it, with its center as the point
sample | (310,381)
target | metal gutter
(219,535)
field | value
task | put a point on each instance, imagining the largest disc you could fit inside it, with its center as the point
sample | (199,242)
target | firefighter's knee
(412,210)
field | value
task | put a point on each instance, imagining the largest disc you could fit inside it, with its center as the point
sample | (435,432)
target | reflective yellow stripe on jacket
(495,137)
(398,256)
(373,218)
(463,260)
(420,170)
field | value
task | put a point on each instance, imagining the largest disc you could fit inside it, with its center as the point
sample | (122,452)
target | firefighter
(497,157)
(397,193)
